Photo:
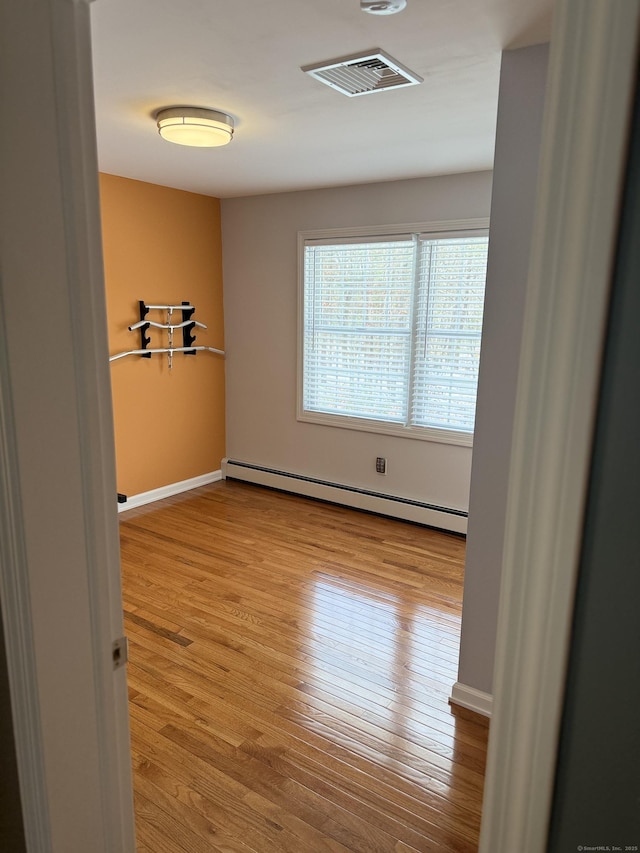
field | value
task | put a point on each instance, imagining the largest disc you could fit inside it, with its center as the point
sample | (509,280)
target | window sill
(440,436)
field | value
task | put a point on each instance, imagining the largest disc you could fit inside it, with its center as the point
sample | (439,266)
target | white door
(59,549)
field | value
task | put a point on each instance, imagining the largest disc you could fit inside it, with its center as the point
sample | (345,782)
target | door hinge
(120,652)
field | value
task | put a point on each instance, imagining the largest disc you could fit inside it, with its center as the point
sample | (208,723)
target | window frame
(460,228)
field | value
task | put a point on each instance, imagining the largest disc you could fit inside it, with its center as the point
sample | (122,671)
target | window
(390,330)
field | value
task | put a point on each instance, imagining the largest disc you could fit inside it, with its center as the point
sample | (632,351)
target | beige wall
(163,246)
(260,274)
(520,108)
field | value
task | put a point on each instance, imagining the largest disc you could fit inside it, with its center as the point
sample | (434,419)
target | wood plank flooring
(290,665)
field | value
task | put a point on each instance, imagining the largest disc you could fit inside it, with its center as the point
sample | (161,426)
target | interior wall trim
(170,490)
(472,699)
(404,509)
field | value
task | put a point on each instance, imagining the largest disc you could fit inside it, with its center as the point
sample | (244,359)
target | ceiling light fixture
(195,126)
(382,7)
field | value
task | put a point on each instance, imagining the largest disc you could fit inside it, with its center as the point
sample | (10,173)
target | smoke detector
(363,73)
(382,7)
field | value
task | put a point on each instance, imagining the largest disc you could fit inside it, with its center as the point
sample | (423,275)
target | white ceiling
(292,132)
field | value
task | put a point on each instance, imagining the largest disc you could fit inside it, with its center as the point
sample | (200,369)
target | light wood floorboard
(290,667)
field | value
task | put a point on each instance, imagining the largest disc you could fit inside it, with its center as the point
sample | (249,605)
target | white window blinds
(448,329)
(358,329)
(392,329)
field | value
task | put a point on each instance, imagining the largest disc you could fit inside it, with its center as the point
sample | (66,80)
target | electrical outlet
(381,465)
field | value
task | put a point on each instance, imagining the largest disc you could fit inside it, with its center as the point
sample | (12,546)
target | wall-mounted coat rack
(187,325)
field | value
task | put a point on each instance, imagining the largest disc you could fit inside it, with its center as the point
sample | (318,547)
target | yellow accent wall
(163,246)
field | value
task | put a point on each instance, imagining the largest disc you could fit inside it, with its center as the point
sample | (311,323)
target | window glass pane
(358,329)
(448,328)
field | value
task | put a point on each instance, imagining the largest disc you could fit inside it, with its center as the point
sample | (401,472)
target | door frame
(59,547)
(591,83)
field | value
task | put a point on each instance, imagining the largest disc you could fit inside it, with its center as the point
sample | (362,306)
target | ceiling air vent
(363,73)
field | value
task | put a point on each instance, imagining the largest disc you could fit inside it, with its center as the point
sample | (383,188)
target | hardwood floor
(290,665)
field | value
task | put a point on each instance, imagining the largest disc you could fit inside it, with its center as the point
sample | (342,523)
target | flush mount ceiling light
(195,126)
(382,7)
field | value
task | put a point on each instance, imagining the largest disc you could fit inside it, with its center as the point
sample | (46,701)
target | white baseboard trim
(404,509)
(170,490)
(472,699)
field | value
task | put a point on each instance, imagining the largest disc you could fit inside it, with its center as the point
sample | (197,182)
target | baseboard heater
(406,509)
